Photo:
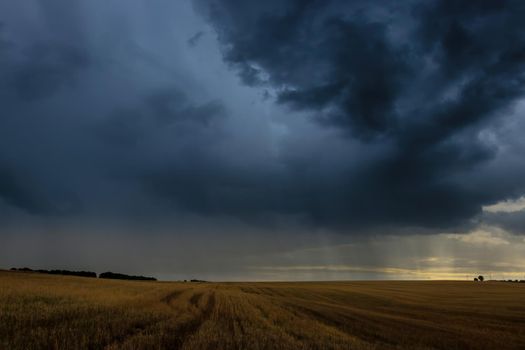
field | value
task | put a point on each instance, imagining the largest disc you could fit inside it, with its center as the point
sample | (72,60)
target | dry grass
(54,312)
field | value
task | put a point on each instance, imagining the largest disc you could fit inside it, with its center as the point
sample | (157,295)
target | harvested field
(61,312)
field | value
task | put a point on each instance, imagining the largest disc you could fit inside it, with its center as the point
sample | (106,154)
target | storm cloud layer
(347,115)
(434,82)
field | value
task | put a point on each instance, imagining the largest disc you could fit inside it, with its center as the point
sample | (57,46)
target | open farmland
(58,312)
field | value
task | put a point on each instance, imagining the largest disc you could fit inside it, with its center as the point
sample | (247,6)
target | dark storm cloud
(75,126)
(44,70)
(15,194)
(424,79)
(113,111)
(27,74)
(355,62)
(19,191)
(166,109)
(167,141)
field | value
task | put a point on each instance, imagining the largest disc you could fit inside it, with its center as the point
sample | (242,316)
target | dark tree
(58,272)
(475,279)
(121,276)
(481,278)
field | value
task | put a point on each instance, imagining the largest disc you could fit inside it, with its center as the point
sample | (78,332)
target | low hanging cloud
(351,116)
(432,82)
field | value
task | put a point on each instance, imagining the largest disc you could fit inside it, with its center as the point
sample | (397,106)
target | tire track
(184,331)
(195,298)
(171,296)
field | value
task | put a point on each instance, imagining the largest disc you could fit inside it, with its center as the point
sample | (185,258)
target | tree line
(106,275)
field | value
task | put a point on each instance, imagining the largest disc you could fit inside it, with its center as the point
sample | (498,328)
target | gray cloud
(44,70)
(513,222)
(194,39)
(294,139)
(385,115)
(425,79)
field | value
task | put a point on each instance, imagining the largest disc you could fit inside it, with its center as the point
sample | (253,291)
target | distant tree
(481,278)
(475,279)
(121,276)
(58,272)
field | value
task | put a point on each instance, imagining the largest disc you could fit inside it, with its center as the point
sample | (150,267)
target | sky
(275,140)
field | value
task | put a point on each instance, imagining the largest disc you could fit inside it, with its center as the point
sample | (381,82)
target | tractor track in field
(182,329)
(186,330)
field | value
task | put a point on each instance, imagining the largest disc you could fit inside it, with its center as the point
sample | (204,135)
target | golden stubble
(56,312)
